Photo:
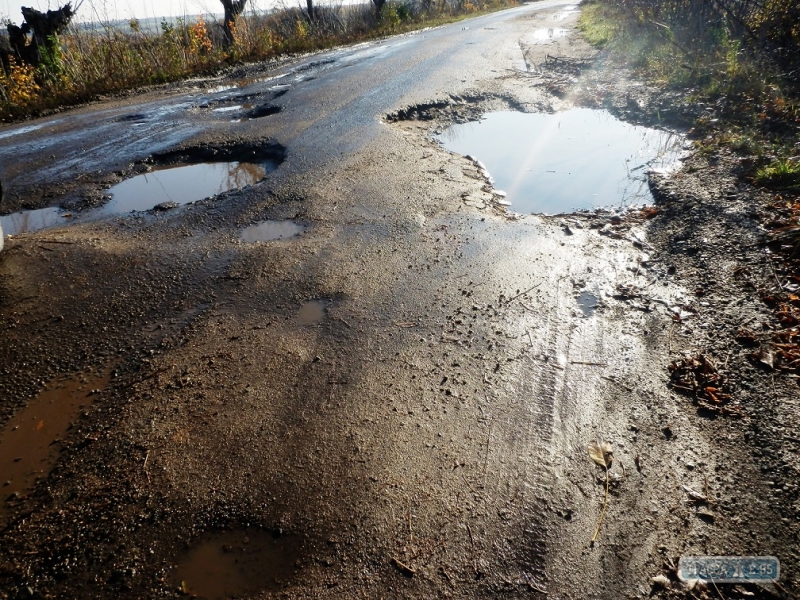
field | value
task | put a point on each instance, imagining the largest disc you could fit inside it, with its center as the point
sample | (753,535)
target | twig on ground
(510,300)
(404,568)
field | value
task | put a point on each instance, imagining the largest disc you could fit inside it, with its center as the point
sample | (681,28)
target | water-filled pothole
(179,177)
(33,220)
(549,33)
(556,163)
(268,231)
(312,312)
(587,303)
(237,563)
(182,184)
(26,442)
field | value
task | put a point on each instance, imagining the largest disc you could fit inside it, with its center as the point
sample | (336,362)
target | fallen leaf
(601,453)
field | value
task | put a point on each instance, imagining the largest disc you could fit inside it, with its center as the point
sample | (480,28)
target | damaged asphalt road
(392,397)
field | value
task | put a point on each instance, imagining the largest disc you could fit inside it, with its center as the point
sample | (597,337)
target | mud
(312,312)
(236,563)
(272,230)
(29,441)
(428,437)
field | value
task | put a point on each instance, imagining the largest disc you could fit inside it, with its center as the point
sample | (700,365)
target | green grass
(750,107)
(781,174)
(597,26)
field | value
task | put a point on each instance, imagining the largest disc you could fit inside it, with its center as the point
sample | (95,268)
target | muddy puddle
(237,563)
(33,220)
(312,312)
(268,231)
(181,184)
(559,163)
(28,447)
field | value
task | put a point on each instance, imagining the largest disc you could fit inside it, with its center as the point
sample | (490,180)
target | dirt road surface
(397,402)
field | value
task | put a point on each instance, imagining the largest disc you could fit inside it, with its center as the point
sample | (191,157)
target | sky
(107,10)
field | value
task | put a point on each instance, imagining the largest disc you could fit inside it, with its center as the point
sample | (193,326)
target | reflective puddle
(587,303)
(182,184)
(549,33)
(33,220)
(268,231)
(556,163)
(567,13)
(27,441)
(312,312)
(225,109)
(237,563)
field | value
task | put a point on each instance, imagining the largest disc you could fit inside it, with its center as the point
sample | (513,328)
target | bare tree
(233,8)
(43,46)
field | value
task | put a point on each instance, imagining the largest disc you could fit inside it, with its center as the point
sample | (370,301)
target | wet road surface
(404,389)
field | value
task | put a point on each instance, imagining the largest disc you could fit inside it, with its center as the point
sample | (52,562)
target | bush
(86,63)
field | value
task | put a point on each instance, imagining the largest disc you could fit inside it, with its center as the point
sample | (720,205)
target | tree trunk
(310,7)
(45,27)
(233,8)
(378,5)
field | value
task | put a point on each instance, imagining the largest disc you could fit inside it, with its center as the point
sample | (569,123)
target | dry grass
(113,59)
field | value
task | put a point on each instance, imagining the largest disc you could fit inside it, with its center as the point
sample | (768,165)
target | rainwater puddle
(182,184)
(237,563)
(26,442)
(225,109)
(567,13)
(312,312)
(549,33)
(556,163)
(268,231)
(587,303)
(33,220)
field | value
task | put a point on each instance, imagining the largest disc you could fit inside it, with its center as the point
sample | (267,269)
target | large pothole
(557,163)
(166,181)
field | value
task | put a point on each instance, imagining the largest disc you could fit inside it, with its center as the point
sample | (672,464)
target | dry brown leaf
(601,453)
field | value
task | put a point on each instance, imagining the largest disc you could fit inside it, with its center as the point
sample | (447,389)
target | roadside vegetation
(737,59)
(79,63)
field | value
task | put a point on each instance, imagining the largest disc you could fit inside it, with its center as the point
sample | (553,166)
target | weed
(82,64)
(782,173)
(19,87)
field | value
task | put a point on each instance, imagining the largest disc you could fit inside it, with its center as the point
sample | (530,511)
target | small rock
(661,581)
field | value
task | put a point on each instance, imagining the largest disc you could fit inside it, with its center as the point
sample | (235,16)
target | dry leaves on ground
(697,376)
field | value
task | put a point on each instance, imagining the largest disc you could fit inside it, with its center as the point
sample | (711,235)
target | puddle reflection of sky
(577,159)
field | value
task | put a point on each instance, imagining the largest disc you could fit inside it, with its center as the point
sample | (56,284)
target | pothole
(549,33)
(171,179)
(556,163)
(264,110)
(33,220)
(587,303)
(27,441)
(237,563)
(312,312)
(224,109)
(268,231)
(182,184)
